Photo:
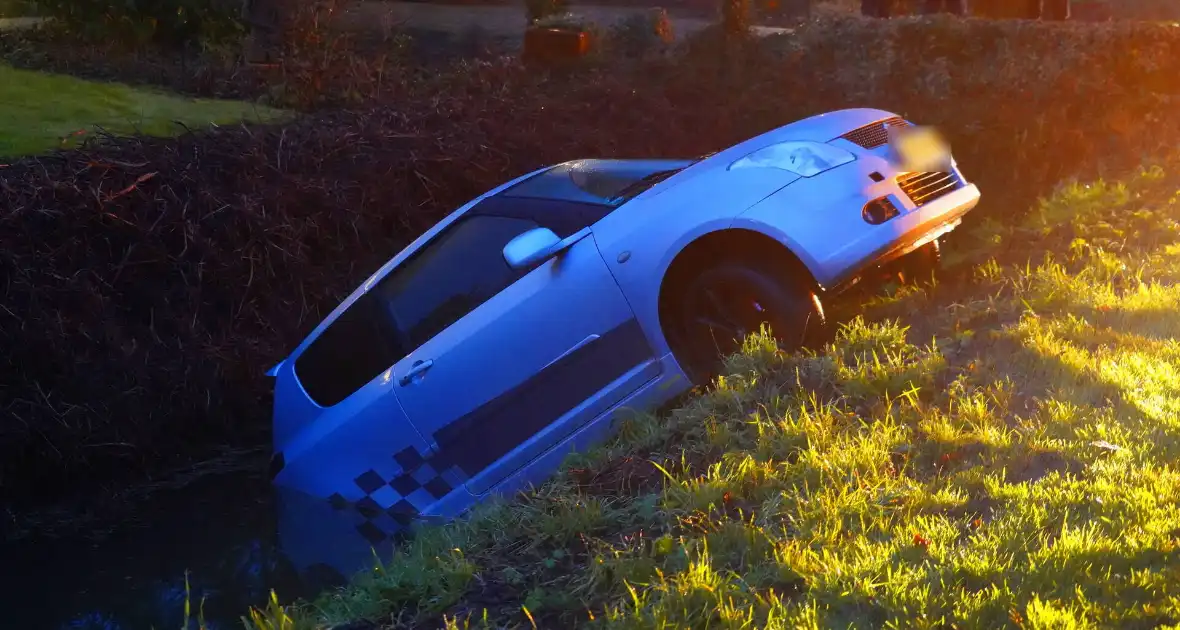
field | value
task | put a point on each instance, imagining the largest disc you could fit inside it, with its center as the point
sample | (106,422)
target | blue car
(518,327)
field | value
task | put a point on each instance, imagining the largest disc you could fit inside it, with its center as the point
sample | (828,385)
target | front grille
(876,134)
(924,187)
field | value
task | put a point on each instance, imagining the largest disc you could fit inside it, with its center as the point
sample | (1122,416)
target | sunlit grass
(996,455)
(40,112)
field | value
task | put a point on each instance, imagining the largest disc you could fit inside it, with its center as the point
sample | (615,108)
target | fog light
(879,211)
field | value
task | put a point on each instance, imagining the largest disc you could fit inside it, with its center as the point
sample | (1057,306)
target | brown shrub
(149,283)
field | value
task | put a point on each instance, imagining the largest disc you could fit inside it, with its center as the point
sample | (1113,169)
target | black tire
(721,306)
(922,265)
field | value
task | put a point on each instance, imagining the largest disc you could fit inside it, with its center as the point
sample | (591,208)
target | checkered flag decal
(391,505)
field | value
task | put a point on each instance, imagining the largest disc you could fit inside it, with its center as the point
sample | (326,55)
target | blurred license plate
(919,149)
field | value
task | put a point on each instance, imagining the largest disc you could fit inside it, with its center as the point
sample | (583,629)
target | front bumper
(907,232)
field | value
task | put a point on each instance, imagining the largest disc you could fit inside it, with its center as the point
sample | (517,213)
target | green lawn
(996,453)
(14,23)
(40,112)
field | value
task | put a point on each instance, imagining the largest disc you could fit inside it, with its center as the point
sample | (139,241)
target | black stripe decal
(480,438)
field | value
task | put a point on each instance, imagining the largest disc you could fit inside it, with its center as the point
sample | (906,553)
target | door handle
(418,368)
(577,346)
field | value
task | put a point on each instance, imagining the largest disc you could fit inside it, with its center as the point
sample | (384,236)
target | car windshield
(605,182)
(615,181)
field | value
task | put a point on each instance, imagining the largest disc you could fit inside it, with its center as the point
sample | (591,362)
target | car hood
(829,126)
(819,128)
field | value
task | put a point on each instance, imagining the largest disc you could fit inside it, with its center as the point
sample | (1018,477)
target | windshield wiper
(640,185)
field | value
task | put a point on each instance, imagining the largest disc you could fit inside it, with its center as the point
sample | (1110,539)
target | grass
(18,22)
(995,454)
(40,112)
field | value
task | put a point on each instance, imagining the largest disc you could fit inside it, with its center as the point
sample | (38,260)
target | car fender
(641,239)
(744,222)
(817,217)
(646,302)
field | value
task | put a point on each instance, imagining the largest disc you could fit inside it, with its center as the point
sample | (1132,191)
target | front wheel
(725,304)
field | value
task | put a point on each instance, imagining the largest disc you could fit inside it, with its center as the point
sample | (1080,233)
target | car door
(506,363)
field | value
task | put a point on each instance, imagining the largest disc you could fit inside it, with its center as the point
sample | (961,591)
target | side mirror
(530,248)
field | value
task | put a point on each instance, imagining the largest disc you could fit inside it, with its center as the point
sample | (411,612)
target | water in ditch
(218,531)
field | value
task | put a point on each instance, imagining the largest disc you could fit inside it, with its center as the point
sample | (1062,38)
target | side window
(360,344)
(451,276)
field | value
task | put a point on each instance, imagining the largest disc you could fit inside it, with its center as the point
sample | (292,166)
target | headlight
(802,158)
